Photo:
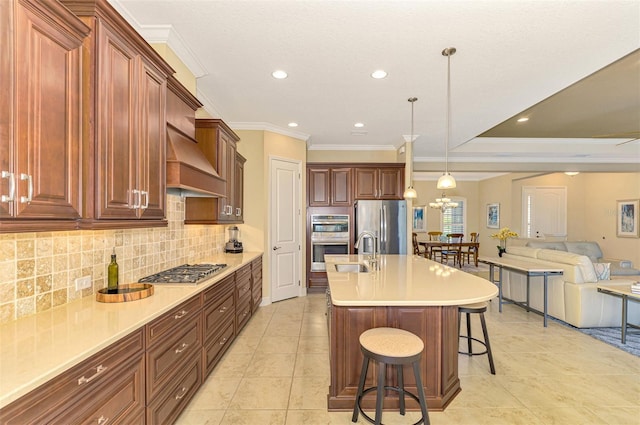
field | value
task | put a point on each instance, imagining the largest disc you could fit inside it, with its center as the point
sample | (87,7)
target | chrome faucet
(373,260)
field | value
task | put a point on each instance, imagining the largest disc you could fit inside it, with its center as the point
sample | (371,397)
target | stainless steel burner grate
(186,273)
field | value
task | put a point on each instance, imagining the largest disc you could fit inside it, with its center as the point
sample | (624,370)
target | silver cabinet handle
(12,186)
(146,199)
(180,314)
(182,348)
(230,210)
(100,369)
(29,197)
(183,391)
(222,310)
(238,211)
(102,420)
(224,340)
(135,194)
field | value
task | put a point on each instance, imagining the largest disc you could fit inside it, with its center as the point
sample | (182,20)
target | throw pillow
(602,270)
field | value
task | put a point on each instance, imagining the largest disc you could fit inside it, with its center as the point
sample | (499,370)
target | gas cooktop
(184,274)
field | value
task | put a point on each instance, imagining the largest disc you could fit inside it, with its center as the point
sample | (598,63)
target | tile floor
(277,372)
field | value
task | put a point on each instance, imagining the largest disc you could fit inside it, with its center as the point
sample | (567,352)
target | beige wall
(591,207)
(183,74)
(353,156)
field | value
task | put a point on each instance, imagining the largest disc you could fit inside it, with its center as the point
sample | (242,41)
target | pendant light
(446,181)
(410,192)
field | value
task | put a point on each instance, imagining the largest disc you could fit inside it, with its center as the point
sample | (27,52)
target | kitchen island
(407,292)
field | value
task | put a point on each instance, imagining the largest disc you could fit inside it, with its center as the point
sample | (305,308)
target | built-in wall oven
(329,235)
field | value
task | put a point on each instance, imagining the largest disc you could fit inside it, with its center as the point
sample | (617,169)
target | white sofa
(592,250)
(573,296)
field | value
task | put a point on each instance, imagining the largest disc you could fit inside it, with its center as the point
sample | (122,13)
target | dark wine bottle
(112,275)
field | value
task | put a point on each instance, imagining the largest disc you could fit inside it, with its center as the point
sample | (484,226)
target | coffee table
(624,292)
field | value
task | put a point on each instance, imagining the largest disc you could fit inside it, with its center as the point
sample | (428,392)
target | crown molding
(265,126)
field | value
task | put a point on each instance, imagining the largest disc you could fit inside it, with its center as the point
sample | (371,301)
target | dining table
(454,246)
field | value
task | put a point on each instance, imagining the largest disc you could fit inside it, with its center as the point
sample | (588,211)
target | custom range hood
(189,173)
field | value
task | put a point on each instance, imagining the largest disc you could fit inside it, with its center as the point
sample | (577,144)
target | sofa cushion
(624,271)
(602,270)
(590,249)
(583,263)
(523,251)
(558,246)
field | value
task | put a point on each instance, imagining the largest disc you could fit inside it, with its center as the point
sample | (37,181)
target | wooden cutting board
(126,293)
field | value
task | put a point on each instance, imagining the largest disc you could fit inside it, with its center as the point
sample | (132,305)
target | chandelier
(411,193)
(446,181)
(443,203)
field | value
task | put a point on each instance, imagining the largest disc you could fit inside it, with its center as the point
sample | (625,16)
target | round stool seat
(475,307)
(391,342)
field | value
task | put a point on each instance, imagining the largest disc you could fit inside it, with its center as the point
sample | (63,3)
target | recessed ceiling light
(379,74)
(571,173)
(279,74)
(293,124)
(523,119)
(358,125)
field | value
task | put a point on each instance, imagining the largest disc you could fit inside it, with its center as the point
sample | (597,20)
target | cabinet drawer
(119,401)
(243,313)
(217,315)
(176,317)
(215,348)
(166,408)
(168,357)
(50,400)
(243,289)
(243,273)
(218,290)
(256,295)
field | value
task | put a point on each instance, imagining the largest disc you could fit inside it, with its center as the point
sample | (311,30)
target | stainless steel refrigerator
(385,219)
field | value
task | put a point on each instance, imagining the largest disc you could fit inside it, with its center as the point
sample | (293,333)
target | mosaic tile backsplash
(37,270)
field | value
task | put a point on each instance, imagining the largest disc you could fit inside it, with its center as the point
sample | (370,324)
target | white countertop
(37,348)
(405,281)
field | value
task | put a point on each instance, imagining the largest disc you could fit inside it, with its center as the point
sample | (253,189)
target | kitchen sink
(352,268)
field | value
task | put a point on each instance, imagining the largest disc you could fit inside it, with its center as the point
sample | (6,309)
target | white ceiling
(511,55)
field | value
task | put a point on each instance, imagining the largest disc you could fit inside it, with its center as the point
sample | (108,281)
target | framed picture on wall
(493,216)
(419,219)
(627,218)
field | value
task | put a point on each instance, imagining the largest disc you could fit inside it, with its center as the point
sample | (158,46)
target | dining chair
(434,250)
(454,252)
(416,246)
(471,250)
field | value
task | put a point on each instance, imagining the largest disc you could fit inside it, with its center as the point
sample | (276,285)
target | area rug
(612,337)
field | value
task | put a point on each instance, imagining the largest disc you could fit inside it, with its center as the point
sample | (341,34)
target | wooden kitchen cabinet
(173,360)
(383,181)
(243,297)
(256,284)
(218,317)
(108,385)
(329,186)
(124,85)
(40,118)
(219,144)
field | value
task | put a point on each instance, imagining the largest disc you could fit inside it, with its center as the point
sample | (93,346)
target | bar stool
(476,308)
(394,347)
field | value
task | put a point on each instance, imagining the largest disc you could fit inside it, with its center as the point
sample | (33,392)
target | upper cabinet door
(366,184)
(318,187)
(117,194)
(391,183)
(341,187)
(152,169)
(40,154)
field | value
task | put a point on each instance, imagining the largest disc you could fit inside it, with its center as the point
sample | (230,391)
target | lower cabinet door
(119,401)
(167,406)
(214,349)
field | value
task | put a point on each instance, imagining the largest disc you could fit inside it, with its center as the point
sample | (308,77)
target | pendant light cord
(446,146)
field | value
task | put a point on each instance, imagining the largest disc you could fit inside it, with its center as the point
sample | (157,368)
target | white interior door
(285,229)
(544,211)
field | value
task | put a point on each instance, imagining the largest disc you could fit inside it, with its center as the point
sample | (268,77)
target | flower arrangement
(502,235)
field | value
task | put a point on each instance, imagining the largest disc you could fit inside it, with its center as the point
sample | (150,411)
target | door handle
(275,248)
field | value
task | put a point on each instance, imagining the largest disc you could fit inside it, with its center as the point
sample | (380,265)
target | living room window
(454,220)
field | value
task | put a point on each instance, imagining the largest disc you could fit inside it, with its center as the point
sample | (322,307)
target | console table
(529,269)
(624,292)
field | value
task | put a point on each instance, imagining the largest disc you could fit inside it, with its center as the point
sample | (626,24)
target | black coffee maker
(234,245)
